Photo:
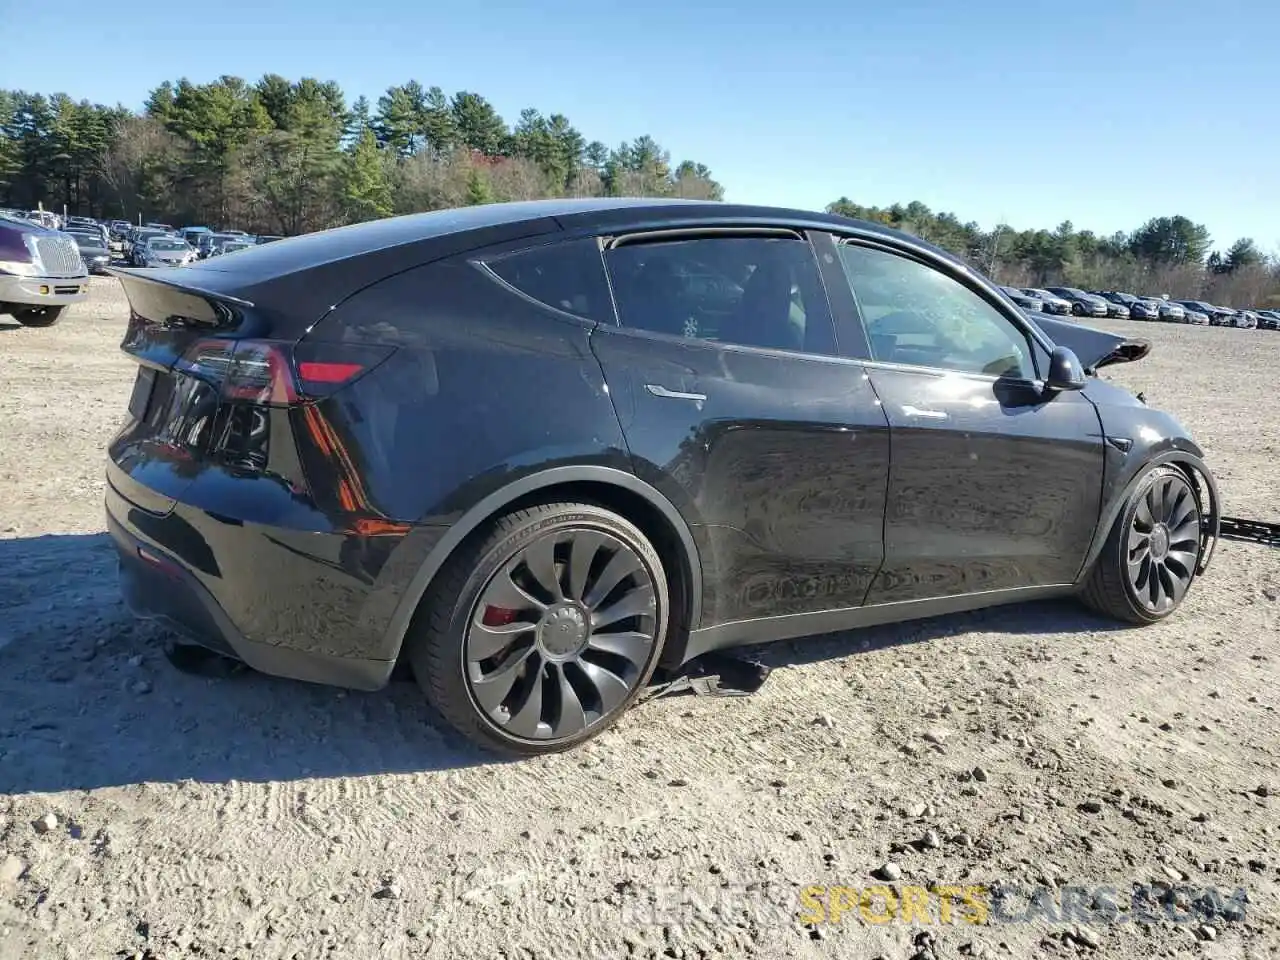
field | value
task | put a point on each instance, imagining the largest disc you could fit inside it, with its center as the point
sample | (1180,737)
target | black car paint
(768,499)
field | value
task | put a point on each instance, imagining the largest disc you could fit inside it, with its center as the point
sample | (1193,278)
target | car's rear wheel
(1149,560)
(541,632)
(38,316)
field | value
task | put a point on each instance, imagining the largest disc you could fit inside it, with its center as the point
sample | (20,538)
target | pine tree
(366,192)
(478,189)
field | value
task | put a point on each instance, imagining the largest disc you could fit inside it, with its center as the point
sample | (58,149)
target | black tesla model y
(539,449)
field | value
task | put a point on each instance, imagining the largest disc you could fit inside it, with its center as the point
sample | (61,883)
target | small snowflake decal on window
(691,327)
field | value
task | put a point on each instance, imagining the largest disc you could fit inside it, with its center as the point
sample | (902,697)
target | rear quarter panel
(483,388)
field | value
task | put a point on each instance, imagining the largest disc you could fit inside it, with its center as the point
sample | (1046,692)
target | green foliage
(282,156)
(1173,240)
(366,193)
(1244,253)
(478,189)
(1165,255)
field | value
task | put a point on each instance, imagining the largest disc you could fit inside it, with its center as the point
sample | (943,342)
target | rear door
(996,483)
(734,401)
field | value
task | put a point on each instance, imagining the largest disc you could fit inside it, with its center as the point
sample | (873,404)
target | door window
(917,315)
(753,291)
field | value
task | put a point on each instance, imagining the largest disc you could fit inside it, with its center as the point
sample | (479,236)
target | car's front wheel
(38,316)
(1149,560)
(540,633)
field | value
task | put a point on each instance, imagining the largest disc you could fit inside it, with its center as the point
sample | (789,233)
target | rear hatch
(216,381)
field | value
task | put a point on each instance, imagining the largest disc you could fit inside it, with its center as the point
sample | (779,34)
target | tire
(1155,584)
(38,316)
(487,618)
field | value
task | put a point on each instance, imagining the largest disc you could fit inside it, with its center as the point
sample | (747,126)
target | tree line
(1166,255)
(287,157)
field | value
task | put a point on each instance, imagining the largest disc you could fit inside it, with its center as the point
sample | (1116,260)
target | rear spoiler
(135,279)
(167,314)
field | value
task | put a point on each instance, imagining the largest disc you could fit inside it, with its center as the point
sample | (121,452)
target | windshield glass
(167,245)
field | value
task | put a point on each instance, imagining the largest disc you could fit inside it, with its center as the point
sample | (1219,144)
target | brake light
(324,368)
(269,372)
(316,372)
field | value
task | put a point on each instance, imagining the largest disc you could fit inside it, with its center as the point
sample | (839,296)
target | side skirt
(739,633)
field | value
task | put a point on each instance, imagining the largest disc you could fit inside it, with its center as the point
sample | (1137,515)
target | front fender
(1182,453)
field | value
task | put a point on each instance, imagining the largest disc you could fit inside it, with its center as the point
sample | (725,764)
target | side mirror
(1065,371)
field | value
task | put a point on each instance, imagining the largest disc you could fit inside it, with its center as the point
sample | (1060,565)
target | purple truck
(41,272)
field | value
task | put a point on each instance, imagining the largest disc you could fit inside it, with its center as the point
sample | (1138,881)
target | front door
(995,483)
(725,375)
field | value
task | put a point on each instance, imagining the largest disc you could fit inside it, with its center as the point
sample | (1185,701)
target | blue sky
(1105,112)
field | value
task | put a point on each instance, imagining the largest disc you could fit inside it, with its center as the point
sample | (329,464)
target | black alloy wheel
(1163,543)
(543,633)
(1148,562)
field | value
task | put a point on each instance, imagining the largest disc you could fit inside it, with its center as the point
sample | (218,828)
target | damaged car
(540,451)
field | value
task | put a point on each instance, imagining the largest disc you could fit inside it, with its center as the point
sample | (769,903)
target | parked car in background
(137,239)
(91,226)
(94,251)
(1213,314)
(1115,296)
(1143,309)
(165,251)
(45,218)
(1027,303)
(1082,304)
(192,234)
(1172,312)
(1193,316)
(207,241)
(1051,303)
(1117,303)
(231,245)
(166,227)
(1268,320)
(1245,319)
(41,272)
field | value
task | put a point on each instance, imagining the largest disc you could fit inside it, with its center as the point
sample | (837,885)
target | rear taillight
(324,368)
(275,373)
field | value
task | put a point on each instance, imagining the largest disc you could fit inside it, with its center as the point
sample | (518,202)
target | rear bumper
(157,583)
(43,291)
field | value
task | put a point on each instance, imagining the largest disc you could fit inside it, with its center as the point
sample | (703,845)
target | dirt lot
(252,817)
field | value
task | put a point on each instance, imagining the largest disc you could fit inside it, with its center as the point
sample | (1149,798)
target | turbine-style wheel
(1149,560)
(538,637)
(1163,544)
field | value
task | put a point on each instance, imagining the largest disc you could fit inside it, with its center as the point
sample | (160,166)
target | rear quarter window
(566,277)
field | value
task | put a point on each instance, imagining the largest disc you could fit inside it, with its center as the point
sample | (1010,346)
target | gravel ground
(150,813)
